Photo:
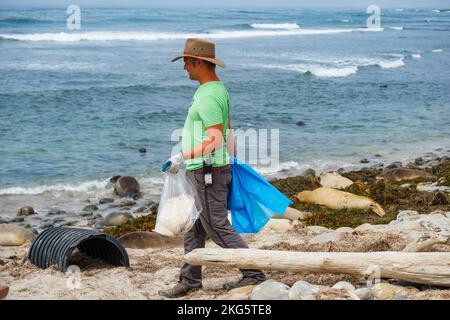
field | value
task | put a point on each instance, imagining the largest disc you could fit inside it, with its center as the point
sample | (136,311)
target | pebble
(127,203)
(55,212)
(386,291)
(365,160)
(106,200)
(91,207)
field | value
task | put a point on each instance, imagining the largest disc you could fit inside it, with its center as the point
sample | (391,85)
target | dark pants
(213,222)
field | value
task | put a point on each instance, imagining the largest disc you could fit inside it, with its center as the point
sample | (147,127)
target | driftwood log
(430,268)
(431,235)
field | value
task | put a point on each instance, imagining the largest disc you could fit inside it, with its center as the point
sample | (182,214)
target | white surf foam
(396,28)
(317,70)
(275,26)
(437,50)
(416,56)
(81,187)
(154,36)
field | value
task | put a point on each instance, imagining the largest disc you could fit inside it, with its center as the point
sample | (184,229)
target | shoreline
(156,268)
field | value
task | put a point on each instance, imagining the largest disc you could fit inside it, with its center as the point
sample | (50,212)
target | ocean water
(76,105)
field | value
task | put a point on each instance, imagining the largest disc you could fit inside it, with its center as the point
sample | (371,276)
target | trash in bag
(178,209)
(252,200)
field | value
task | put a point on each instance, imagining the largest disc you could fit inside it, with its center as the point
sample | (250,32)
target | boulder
(326,237)
(386,291)
(344,285)
(25,211)
(334,180)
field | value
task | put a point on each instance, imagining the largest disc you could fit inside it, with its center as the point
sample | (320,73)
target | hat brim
(212,60)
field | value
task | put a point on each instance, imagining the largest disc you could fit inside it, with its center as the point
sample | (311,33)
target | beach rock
(12,235)
(334,180)
(127,203)
(55,212)
(270,290)
(106,200)
(317,229)
(292,214)
(336,294)
(242,293)
(142,150)
(439,199)
(99,224)
(91,207)
(418,161)
(46,225)
(116,218)
(431,187)
(140,210)
(309,173)
(126,187)
(365,160)
(394,165)
(344,285)
(85,214)
(370,227)
(325,237)
(405,185)
(407,215)
(302,289)
(363,293)
(386,291)
(4,289)
(277,225)
(18,219)
(398,297)
(25,211)
(300,123)
(344,230)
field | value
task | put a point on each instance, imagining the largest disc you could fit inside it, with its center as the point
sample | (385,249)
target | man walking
(204,145)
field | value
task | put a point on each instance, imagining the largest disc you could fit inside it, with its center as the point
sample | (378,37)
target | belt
(214,169)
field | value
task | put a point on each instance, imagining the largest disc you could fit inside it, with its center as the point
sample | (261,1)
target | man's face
(192,66)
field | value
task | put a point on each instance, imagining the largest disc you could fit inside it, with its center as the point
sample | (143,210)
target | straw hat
(200,49)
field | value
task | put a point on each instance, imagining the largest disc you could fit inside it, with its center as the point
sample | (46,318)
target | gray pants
(213,222)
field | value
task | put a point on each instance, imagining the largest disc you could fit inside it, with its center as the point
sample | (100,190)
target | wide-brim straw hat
(200,49)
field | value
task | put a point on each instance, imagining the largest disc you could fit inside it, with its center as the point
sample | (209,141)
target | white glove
(173,164)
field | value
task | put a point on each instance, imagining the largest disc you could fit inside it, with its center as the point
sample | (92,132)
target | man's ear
(114,179)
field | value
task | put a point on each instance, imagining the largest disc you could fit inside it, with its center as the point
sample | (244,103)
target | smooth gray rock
(106,200)
(344,285)
(326,237)
(91,207)
(270,290)
(363,293)
(116,218)
(302,289)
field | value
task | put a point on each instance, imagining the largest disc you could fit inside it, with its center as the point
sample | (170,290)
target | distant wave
(336,68)
(436,50)
(153,36)
(275,26)
(416,56)
(21,20)
(396,28)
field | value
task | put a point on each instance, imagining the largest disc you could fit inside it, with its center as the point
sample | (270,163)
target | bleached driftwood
(431,268)
(433,234)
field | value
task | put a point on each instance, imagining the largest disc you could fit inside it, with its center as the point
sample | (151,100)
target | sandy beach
(153,269)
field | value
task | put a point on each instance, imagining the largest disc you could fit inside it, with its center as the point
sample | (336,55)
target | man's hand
(173,164)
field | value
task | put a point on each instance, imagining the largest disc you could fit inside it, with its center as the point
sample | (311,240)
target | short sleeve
(210,111)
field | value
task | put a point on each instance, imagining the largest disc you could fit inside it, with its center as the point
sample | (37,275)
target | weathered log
(431,268)
(432,234)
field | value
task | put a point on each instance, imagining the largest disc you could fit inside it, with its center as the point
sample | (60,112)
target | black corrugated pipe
(55,246)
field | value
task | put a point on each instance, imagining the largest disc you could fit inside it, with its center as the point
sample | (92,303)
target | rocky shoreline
(311,227)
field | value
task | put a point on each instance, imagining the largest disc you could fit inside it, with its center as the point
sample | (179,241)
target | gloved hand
(173,164)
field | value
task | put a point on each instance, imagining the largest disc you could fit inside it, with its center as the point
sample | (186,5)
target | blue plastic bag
(251,199)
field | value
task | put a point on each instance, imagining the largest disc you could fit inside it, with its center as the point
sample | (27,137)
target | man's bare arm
(213,143)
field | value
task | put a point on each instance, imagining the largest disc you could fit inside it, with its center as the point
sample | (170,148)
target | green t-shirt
(210,107)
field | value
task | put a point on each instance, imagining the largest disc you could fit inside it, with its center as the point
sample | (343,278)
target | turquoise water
(76,106)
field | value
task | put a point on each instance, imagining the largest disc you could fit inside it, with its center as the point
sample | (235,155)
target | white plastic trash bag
(178,210)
